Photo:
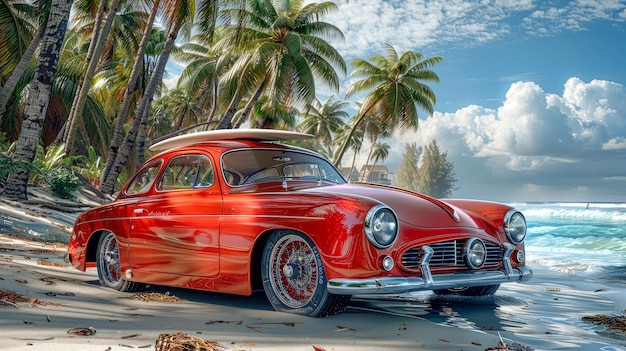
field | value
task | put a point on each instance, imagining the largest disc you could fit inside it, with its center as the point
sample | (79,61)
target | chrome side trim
(399,285)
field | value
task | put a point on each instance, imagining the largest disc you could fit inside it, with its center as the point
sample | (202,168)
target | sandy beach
(50,306)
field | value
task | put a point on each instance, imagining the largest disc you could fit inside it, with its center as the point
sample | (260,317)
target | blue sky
(531,105)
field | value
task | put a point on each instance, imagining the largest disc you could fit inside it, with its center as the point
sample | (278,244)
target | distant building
(375,174)
(354,175)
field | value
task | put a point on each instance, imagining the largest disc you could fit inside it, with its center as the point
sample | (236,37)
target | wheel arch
(92,245)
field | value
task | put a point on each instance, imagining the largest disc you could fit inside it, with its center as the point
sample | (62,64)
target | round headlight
(515,226)
(475,253)
(381,226)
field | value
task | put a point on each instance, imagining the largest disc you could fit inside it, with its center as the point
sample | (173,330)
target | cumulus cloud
(535,140)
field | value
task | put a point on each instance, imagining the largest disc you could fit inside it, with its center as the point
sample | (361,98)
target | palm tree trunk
(356,152)
(108,183)
(39,97)
(214,106)
(93,57)
(346,142)
(122,115)
(227,120)
(140,148)
(11,83)
(246,110)
(366,174)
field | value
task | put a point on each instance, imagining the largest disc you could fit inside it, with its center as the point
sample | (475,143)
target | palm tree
(18,21)
(355,142)
(19,43)
(394,90)
(63,88)
(270,116)
(107,181)
(204,65)
(378,152)
(282,53)
(38,97)
(98,39)
(179,14)
(324,120)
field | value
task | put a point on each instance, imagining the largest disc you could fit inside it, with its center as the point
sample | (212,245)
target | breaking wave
(579,237)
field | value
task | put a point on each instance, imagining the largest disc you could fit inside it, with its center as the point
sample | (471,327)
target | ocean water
(576,237)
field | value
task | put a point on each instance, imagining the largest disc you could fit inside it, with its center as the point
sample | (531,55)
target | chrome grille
(450,254)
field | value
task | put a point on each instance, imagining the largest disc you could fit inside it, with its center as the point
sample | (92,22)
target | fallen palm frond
(153,296)
(11,298)
(614,323)
(184,342)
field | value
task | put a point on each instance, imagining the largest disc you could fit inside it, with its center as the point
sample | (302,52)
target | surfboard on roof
(229,134)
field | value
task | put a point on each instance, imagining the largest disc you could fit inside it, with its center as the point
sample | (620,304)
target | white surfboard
(229,134)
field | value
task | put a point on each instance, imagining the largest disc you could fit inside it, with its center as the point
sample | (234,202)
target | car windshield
(265,165)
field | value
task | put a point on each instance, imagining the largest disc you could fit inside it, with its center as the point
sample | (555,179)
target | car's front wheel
(108,264)
(294,278)
(470,291)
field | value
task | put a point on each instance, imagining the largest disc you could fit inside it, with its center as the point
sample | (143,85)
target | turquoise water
(576,236)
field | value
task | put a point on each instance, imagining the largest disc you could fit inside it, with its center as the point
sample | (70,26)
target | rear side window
(187,172)
(143,179)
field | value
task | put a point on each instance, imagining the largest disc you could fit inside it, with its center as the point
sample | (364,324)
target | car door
(175,229)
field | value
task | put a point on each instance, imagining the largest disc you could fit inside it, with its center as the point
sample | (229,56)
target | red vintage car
(237,210)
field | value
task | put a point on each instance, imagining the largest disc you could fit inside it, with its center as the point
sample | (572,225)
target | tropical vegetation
(95,90)
(426,170)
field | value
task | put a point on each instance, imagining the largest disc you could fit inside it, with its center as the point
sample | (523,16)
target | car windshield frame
(243,167)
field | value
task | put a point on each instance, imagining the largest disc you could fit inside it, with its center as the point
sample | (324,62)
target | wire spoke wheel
(109,266)
(294,278)
(109,261)
(293,271)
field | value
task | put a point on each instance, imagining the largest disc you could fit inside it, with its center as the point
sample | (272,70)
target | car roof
(228,134)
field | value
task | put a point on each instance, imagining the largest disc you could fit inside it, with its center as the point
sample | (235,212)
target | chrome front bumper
(399,285)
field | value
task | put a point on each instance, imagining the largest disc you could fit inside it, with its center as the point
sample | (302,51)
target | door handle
(140,211)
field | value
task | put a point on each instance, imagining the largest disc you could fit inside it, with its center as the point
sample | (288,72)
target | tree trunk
(227,121)
(108,184)
(214,102)
(140,148)
(346,142)
(11,83)
(122,115)
(245,114)
(93,57)
(39,97)
(366,174)
(356,153)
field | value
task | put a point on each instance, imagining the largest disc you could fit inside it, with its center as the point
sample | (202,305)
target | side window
(144,179)
(206,176)
(187,172)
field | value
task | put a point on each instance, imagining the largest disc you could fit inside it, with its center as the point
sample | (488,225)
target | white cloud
(411,25)
(534,141)
(618,143)
(574,16)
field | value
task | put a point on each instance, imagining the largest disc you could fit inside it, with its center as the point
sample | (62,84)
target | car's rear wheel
(470,291)
(108,264)
(294,278)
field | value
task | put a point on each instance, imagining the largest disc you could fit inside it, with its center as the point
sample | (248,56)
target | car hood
(410,207)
